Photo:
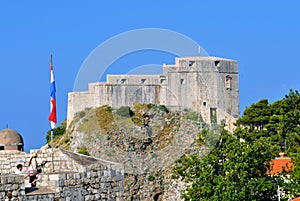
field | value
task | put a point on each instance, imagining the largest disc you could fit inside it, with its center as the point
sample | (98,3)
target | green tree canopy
(236,167)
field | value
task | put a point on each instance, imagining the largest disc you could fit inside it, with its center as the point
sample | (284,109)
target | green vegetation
(191,115)
(125,111)
(163,108)
(105,118)
(137,120)
(83,151)
(151,178)
(235,165)
(67,140)
(58,131)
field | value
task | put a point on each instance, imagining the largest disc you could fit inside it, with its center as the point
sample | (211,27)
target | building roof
(296,199)
(212,58)
(281,163)
(10,137)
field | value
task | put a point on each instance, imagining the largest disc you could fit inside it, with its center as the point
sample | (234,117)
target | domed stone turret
(11,140)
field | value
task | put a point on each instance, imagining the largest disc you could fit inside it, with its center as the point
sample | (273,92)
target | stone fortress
(204,84)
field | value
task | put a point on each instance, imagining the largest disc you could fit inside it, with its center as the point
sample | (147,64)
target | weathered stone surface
(68,185)
(206,85)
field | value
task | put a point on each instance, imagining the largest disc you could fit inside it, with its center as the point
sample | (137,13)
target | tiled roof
(280,163)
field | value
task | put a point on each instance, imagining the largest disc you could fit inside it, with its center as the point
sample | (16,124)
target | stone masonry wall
(202,84)
(12,187)
(10,158)
(75,177)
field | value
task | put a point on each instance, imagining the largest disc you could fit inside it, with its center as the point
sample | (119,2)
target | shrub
(137,121)
(124,111)
(83,151)
(151,178)
(163,108)
(67,140)
(81,114)
(193,116)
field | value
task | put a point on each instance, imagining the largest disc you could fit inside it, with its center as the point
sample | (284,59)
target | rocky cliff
(147,139)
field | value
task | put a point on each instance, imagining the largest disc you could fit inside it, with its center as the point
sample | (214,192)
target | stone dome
(11,140)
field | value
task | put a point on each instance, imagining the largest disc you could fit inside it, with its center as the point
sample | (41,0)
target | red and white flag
(52,116)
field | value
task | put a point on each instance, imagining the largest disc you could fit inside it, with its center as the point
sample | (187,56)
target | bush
(193,116)
(81,114)
(124,111)
(137,121)
(151,178)
(163,108)
(67,140)
(83,151)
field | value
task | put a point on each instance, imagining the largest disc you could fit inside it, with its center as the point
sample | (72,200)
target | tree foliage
(58,131)
(236,167)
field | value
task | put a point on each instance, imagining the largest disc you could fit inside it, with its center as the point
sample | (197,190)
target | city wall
(72,177)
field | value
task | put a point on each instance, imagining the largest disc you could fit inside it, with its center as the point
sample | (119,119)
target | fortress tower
(207,85)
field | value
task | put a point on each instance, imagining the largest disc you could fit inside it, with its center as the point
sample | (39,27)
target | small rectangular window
(213,115)
(204,103)
(217,63)
(143,81)
(162,81)
(182,81)
(228,82)
(122,81)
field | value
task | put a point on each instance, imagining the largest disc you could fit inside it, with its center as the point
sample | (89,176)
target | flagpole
(51,119)
(52,152)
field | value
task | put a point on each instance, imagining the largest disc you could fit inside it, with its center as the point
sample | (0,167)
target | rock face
(147,139)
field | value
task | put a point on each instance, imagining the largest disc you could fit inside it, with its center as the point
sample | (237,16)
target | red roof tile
(280,163)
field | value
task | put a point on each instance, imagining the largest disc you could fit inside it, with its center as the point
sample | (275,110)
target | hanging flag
(52,116)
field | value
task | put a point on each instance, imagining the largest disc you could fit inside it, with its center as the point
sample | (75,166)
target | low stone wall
(9,160)
(59,162)
(12,187)
(89,179)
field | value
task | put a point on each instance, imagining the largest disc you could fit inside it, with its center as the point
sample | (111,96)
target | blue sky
(263,36)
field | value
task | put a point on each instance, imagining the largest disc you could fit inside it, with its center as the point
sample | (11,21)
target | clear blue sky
(263,36)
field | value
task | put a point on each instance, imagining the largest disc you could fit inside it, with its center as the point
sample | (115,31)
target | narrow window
(143,81)
(213,115)
(162,81)
(217,63)
(122,81)
(182,81)
(228,82)
(204,103)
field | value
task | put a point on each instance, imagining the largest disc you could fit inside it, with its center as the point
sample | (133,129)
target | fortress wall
(117,95)
(9,159)
(228,92)
(75,177)
(12,187)
(196,83)
(78,101)
(133,79)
